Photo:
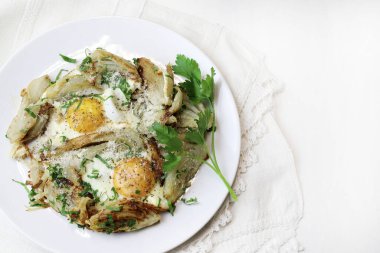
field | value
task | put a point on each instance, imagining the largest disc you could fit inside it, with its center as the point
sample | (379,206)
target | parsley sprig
(201,90)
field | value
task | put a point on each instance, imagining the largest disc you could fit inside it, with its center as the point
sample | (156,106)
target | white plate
(53,231)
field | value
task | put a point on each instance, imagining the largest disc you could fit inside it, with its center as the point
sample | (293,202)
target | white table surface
(328,55)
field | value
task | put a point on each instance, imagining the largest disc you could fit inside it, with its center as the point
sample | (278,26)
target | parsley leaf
(207,85)
(198,90)
(187,67)
(67,59)
(171,162)
(167,136)
(197,136)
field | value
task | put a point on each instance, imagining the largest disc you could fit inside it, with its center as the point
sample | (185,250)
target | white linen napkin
(266,216)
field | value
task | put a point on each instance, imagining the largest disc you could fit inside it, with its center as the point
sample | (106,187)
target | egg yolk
(85,115)
(133,178)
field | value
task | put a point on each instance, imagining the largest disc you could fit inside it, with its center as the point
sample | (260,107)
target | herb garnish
(115,194)
(83,163)
(89,192)
(109,225)
(68,59)
(190,201)
(131,223)
(58,75)
(63,199)
(46,147)
(86,64)
(168,137)
(171,207)
(103,161)
(201,91)
(31,194)
(56,173)
(30,112)
(94,174)
(63,138)
(117,81)
(125,88)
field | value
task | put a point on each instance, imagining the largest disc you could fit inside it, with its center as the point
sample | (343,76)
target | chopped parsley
(125,88)
(94,174)
(58,76)
(30,112)
(115,194)
(190,201)
(63,139)
(101,98)
(89,192)
(83,163)
(70,102)
(63,199)
(117,81)
(46,147)
(103,161)
(109,224)
(131,223)
(67,59)
(86,64)
(171,207)
(137,191)
(56,173)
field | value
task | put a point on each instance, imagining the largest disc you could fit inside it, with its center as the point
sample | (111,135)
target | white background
(328,55)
